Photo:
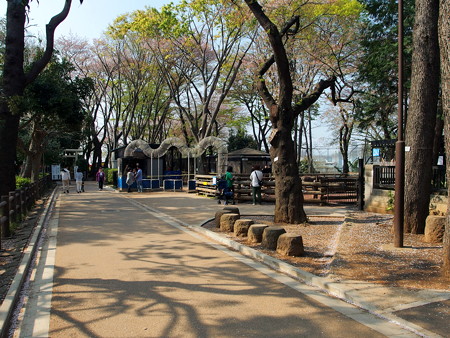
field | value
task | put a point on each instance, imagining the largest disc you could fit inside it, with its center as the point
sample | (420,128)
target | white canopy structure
(185,151)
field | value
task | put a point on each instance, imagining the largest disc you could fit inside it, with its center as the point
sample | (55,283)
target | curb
(13,295)
(328,285)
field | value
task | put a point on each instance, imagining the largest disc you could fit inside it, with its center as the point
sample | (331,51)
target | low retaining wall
(382,201)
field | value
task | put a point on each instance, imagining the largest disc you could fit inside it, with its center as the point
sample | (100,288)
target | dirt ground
(360,249)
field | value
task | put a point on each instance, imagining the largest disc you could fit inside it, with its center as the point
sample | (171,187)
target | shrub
(22,182)
(109,175)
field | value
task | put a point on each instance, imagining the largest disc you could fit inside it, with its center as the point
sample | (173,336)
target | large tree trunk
(288,191)
(444,43)
(422,115)
(13,86)
(36,152)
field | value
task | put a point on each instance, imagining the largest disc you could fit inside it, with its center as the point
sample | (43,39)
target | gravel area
(359,248)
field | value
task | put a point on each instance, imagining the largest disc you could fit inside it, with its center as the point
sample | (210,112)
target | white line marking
(376,323)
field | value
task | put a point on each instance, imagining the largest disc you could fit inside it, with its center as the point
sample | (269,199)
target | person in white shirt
(65,178)
(256,181)
(79,180)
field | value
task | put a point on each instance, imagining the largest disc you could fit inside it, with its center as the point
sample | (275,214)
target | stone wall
(382,201)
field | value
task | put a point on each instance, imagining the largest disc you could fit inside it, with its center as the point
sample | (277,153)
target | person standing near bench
(256,181)
(130,178)
(139,179)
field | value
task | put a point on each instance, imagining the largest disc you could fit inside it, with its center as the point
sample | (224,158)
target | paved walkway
(130,265)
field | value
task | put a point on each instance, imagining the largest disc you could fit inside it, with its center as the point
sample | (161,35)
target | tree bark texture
(444,44)
(422,115)
(13,87)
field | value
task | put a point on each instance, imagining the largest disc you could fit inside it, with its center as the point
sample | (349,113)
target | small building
(242,160)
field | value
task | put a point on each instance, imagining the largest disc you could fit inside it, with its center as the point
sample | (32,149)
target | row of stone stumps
(271,237)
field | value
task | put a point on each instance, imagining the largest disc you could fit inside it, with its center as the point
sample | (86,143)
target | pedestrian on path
(65,178)
(139,179)
(130,178)
(79,180)
(256,182)
(100,178)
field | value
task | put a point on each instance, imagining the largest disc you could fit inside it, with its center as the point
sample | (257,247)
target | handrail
(15,205)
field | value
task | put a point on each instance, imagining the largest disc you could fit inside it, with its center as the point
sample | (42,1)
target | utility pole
(399,202)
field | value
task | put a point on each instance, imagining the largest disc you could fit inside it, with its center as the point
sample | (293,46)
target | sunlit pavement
(125,265)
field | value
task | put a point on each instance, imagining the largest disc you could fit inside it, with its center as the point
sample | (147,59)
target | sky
(88,20)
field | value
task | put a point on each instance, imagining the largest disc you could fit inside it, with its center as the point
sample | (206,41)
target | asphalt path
(126,265)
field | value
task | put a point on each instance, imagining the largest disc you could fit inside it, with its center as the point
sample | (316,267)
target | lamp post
(399,201)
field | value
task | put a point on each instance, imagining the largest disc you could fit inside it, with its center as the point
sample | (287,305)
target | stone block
(255,232)
(241,227)
(290,245)
(227,222)
(233,210)
(218,215)
(434,229)
(270,237)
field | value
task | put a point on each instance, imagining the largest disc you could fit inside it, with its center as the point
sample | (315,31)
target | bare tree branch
(40,64)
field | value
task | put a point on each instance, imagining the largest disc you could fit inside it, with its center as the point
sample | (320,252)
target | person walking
(65,178)
(130,178)
(100,178)
(256,182)
(79,180)
(139,179)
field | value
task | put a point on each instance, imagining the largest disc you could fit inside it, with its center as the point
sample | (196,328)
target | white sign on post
(56,172)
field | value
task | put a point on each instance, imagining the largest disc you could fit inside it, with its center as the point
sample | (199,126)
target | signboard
(56,172)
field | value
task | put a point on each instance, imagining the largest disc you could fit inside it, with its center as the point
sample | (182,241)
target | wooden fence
(319,188)
(14,206)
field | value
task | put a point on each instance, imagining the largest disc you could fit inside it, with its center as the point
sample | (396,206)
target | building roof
(248,152)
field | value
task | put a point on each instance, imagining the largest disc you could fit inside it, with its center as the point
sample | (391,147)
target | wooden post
(361,184)
(6,213)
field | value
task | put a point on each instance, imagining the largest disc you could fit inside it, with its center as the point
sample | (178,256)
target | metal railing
(384,178)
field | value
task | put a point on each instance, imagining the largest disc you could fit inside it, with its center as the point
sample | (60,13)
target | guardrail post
(361,184)
(6,213)
(12,207)
(22,199)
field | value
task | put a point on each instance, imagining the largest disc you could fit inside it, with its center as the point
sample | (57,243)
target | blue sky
(87,20)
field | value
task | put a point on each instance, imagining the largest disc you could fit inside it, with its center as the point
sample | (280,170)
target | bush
(22,182)
(109,175)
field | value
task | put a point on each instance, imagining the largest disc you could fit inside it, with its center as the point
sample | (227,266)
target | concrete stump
(290,245)
(241,227)
(218,215)
(270,237)
(434,229)
(234,210)
(227,222)
(255,232)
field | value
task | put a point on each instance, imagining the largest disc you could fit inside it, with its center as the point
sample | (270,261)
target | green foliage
(303,166)
(390,201)
(378,64)
(22,182)
(240,139)
(339,7)
(109,175)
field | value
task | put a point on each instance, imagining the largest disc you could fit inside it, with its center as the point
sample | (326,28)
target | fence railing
(15,205)
(384,178)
